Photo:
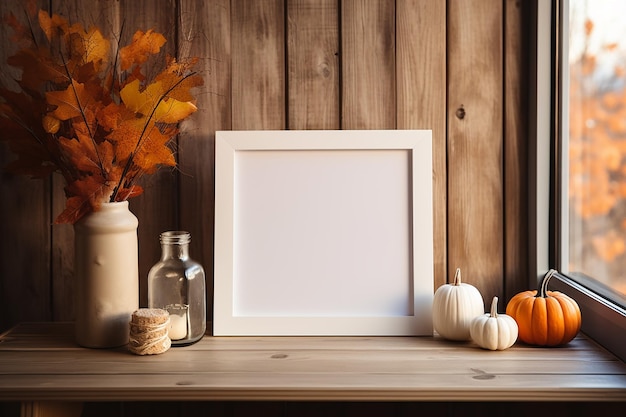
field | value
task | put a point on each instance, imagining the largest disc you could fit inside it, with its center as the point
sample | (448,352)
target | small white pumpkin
(494,331)
(454,307)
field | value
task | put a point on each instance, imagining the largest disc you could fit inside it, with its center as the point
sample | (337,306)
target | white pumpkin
(454,307)
(494,331)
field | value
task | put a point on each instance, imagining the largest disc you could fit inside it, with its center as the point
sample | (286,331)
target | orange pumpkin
(547,318)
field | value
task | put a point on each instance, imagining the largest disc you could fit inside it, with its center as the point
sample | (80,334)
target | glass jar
(177,284)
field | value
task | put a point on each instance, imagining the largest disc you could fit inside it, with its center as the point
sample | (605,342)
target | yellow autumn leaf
(136,100)
(167,110)
(173,111)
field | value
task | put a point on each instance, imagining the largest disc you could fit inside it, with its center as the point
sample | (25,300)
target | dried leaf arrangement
(86,110)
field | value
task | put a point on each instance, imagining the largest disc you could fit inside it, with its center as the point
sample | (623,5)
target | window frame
(603,320)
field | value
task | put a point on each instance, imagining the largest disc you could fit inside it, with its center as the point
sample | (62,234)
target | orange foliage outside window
(597,156)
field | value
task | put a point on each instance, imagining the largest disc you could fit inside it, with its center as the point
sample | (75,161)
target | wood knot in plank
(324,70)
(460,112)
(184,383)
(482,374)
(279,356)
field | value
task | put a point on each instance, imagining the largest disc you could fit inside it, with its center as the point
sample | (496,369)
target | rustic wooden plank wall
(515,206)
(453,67)
(475,120)
(204,31)
(314,71)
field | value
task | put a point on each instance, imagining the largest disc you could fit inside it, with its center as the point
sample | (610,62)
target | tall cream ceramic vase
(106,276)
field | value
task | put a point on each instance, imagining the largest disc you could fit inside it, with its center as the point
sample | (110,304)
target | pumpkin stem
(494,307)
(457,277)
(543,289)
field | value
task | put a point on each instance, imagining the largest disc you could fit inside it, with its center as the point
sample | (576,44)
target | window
(581,146)
(594,130)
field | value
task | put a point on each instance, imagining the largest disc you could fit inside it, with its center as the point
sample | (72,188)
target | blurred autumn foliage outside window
(597,142)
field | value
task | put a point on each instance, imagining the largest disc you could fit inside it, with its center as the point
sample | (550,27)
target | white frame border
(418,142)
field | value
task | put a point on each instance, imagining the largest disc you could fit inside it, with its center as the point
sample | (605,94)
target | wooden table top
(40,361)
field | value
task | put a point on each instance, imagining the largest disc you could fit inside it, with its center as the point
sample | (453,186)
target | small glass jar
(177,284)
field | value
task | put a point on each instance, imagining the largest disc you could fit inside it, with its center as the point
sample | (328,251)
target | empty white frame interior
(323,233)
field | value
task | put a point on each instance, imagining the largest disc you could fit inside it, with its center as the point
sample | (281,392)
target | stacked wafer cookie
(149,331)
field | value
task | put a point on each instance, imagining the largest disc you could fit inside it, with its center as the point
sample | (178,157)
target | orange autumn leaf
(154,152)
(178,88)
(75,208)
(84,195)
(70,102)
(133,191)
(111,116)
(126,138)
(143,141)
(85,155)
(37,68)
(141,47)
(50,24)
(50,124)
(89,46)
(93,187)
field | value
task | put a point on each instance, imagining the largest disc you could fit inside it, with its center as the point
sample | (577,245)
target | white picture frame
(325,233)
